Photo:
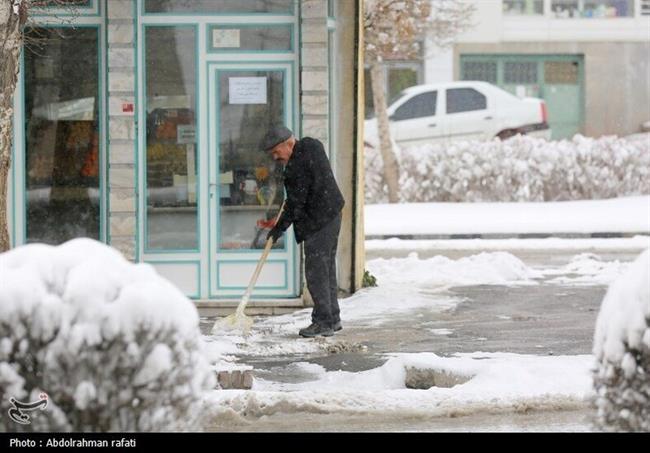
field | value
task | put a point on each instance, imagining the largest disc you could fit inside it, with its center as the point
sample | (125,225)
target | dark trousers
(320,272)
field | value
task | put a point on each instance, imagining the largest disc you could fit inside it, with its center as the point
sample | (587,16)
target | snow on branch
(392,28)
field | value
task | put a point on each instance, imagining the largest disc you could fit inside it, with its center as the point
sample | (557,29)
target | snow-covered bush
(113,345)
(519,169)
(622,351)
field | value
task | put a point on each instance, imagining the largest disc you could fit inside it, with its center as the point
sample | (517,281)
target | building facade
(589,59)
(138,123)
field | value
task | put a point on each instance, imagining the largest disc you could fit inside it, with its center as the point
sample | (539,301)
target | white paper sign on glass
(185,133)
(224,38)
(247,90)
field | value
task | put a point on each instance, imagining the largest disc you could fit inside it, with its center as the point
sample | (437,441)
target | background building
(138,123)
(589,59)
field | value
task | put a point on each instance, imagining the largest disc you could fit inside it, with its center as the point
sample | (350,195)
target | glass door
(246,189)
(250,184)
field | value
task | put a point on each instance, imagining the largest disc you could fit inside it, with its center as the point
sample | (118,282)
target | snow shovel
(238,320)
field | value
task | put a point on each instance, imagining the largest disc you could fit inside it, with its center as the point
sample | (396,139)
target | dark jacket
(313,198)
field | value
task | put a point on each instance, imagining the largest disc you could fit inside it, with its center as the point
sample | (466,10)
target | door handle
(432,125)
(487,118)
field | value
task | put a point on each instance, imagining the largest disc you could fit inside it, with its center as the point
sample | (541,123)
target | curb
(600,235)
(236,379)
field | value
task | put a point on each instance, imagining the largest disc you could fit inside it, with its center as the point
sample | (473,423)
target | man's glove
(275,233)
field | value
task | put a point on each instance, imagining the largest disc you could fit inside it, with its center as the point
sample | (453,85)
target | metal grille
(480,70)
(561,72)
(524,72)
(523,7)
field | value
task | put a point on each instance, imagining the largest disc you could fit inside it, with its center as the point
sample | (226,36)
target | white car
(460,111)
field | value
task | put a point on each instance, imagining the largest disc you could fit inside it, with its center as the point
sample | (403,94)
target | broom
(239,320)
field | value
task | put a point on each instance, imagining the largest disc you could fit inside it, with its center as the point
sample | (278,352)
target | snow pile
(519,169)
(588,269)
(114,345)
(494,268)
(622,351)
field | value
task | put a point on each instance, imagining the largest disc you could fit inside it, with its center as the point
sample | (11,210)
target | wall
(121,127)
(349,161)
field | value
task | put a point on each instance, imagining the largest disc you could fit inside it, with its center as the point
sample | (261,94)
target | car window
(417,107)
(465,100)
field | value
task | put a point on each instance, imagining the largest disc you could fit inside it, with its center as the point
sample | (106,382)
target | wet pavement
(541,320)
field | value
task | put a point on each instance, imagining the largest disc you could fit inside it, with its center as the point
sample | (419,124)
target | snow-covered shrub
(113,345)
(519,169)
(622,351)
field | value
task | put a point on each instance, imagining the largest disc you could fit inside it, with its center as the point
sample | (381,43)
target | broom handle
(260,263)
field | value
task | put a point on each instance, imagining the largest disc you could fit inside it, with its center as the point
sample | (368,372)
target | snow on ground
(439,271)
(620,215)
(405,284)
(495,382)
(587,269)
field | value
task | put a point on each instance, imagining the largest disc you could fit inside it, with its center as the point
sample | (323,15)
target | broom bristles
(235,321)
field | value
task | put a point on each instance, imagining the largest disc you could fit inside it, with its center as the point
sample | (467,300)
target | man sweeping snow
(313,205)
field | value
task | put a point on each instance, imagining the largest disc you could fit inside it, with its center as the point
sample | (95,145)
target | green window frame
(240,30)
(204,8)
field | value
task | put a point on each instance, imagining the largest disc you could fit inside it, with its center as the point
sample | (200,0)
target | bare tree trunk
(391,168)
(10,46)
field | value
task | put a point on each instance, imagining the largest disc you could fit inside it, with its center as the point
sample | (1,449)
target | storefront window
(523,7)
(171,221)
(220,6)
(597,9)
(250,190)
(62,134)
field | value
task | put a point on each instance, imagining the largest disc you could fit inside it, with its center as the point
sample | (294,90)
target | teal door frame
(196,272)
(282,276)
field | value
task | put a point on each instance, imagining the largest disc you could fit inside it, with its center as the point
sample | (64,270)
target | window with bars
(485,71)
(561,72)
(520,72)
(592,9)
(523,7)
(645,7)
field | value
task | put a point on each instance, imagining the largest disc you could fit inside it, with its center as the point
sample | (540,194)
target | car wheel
(508,133)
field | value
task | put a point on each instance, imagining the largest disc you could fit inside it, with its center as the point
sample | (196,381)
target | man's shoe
(314,330)
(337,326)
